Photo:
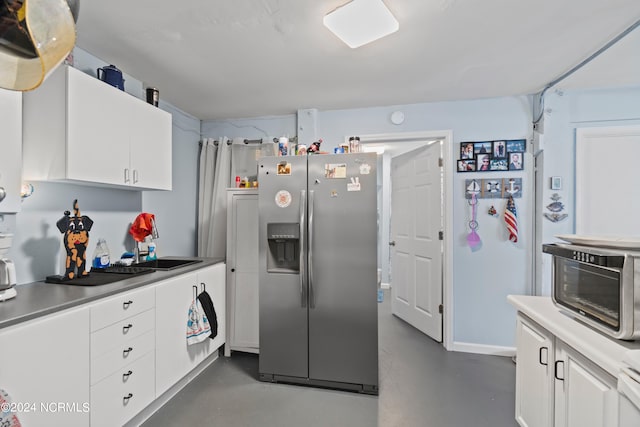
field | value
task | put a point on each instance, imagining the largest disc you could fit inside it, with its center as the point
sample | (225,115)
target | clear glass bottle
(101,256)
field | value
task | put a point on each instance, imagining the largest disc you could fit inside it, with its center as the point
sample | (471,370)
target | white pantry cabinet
(174,358)
(242,271)
(79,129)
(556,386)
(44,366)
(11,150)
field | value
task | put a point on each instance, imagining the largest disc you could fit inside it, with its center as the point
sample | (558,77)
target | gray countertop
(39,299)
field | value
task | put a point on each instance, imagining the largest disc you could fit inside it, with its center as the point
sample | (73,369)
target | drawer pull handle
(126,328)
(127,397)
(126,375)
(126,351)
(126,304)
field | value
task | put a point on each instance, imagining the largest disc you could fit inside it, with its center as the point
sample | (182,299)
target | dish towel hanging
(198,328)
(207,304)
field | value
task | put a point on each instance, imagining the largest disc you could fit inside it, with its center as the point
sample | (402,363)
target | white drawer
(131,349)
(122,306)
(122,395)
(116,335)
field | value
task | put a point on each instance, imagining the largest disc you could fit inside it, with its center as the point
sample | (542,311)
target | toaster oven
(599,286)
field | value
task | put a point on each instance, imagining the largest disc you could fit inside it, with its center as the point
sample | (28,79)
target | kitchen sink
(167,264)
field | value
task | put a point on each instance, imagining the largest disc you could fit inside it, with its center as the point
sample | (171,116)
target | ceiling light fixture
(361,21)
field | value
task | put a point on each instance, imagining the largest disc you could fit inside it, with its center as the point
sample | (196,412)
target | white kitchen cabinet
(556,386)
(11,152)
(534,375)
(44,366)
(79,129)
(585,395)
(242,271)
(122,356)
(174,358)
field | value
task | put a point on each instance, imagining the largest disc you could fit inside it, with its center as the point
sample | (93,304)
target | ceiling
(220,59)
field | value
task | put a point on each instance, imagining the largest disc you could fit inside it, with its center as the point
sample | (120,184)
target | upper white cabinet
(11,153)
(77,128)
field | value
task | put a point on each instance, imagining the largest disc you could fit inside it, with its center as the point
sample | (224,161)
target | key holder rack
(493,188)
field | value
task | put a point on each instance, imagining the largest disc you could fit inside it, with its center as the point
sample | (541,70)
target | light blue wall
(482,279)
(565,112)
(37,249)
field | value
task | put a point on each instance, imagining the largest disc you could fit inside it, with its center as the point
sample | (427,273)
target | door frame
(446,136)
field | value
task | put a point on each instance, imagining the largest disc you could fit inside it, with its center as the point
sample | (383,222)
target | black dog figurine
(76,240)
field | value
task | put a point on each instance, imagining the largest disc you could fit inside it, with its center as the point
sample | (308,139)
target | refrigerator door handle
(302,252)
(310,246)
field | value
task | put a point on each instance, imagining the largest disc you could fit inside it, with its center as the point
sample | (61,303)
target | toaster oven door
(593,291)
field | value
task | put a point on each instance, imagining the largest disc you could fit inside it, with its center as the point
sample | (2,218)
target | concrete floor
(421,385)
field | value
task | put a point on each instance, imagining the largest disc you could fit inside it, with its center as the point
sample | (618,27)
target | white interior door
(606,179)
(416,248)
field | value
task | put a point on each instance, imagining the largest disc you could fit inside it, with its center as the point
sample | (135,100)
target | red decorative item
(511,220)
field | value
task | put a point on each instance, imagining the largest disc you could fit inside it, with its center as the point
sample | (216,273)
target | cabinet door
(585,395)
(174,358)
(97,139)
(534,375)
(150,146)
(45,363)
(11,156)
(213,279)
(242,260)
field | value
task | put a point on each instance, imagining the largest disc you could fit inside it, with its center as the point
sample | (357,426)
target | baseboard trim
(493,350)
(153,407)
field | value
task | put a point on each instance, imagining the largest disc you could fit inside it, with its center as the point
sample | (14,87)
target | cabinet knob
(126,351)
(127,397)
(233,270)
(126,328)
(126,304)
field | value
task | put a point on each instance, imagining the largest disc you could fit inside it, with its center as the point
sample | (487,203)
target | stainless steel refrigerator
(318,271)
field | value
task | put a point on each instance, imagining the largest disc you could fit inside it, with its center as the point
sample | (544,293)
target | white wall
(481,280)
(37,248)
(565,112)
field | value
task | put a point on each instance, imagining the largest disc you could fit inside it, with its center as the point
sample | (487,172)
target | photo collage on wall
(492,156)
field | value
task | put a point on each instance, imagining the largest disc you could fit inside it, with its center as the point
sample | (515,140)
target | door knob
(392,243)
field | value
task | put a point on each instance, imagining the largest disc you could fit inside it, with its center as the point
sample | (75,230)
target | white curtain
(220,162)
(215,166)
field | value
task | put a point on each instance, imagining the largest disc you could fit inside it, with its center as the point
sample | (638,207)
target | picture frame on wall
(499,164)
(484,147)
(467,165)
(499,150)
(483,162)
(466,150)
(556,183)
(516,161)
(516,145)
